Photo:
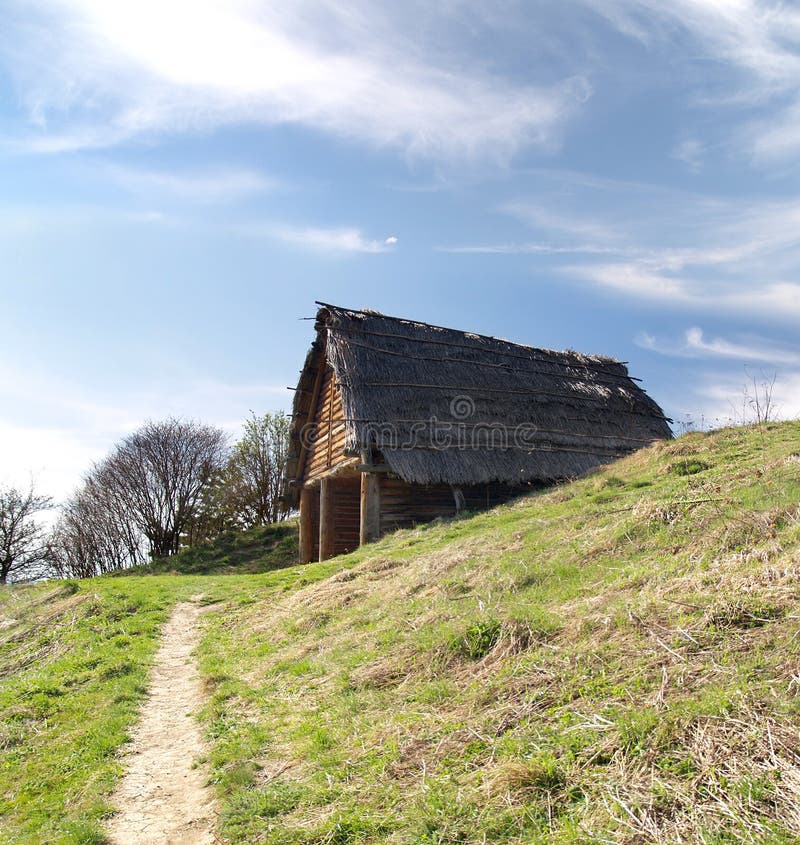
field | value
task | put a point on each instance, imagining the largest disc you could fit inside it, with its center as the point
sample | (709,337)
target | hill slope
(613,660)
(617,659)
(74,665)
(260,549)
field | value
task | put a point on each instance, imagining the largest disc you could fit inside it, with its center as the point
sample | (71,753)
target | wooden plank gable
(326,453)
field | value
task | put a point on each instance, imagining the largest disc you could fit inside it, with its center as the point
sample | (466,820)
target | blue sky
(182,179)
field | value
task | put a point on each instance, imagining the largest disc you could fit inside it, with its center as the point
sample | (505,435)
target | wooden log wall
(404,505)
(327,450)
(309,532)
(327,522)
(370,507)
(336,508)
(309,524)
(481,497)
(346,514)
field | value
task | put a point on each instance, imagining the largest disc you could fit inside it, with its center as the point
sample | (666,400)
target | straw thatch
(445,406)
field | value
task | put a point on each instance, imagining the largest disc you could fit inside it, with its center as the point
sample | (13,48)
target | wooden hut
(397,422)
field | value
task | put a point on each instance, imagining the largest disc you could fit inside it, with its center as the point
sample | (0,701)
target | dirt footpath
(163,799)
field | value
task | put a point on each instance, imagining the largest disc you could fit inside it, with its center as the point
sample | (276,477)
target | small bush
(541,773)
(478,640)
(69,587)
(690,466)
(739,613)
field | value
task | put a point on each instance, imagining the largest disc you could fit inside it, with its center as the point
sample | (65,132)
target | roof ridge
(368,312)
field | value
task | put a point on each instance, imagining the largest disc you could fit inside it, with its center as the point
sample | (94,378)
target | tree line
(169,484)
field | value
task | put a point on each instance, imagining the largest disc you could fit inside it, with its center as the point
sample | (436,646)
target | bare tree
(141,501)
(156,476)
(213,513)
(256,471)
(94,536)
(23,541)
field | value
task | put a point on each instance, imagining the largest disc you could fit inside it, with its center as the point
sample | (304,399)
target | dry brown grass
(746,771)
(24,643)
(613,661)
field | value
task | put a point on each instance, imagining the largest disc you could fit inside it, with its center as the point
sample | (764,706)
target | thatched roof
(446,406)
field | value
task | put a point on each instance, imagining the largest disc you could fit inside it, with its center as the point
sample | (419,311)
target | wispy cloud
(694,344)
(725,398)
(722,264)
(691,152)
(775,301)
(776,136)
(535,249)
(118,70)
(567,233)
(686,250)
(758,39)
(548,219)
(206,186)
(330,240)
(53,430)
(94,73)
(754,35)
(53,458)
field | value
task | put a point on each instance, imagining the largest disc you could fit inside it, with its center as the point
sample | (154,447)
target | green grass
(260,549)
(612,660)
(74,662)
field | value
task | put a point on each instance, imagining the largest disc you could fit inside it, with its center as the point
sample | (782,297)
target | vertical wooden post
(370,507)
(307,525)
(461,502)
(327,535)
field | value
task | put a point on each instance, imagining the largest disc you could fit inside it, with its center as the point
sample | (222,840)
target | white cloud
(122,69)
(574,225)
(758,39)
(753,35)
(695,344)
(691,152)
(687,250)
(150,217)
(331,240)
(54,459)
(534,249)
(634,280)
(95,73)
(391,240)
(777,137)
(774,301)
(209,186)
(726,398)
(52,431)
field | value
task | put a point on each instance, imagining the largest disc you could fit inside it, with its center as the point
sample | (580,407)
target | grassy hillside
(74,662)
(613,660)
(73,667)
(259,549)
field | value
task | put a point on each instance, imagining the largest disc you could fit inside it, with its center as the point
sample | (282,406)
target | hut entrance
(330,517)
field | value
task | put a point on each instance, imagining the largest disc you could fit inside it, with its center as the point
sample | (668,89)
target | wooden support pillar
(370,507)
(461,502)
(307,504)
(326,526)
